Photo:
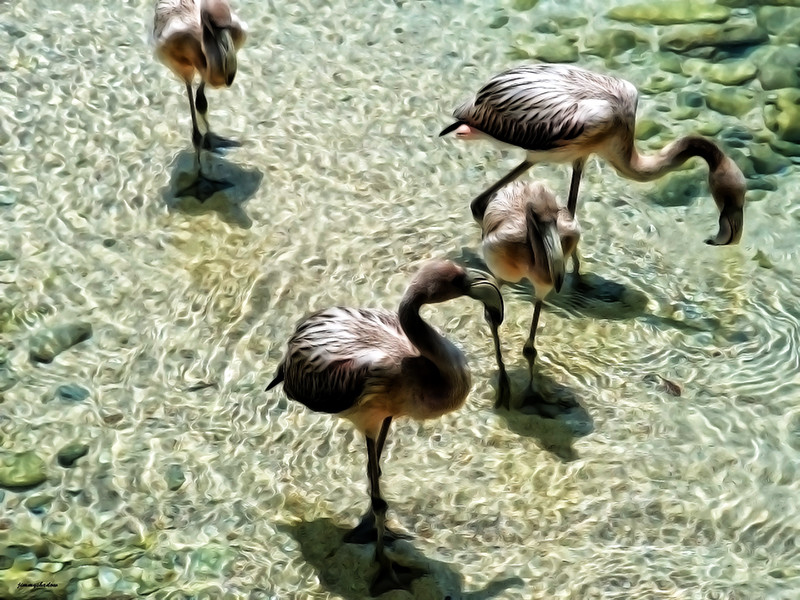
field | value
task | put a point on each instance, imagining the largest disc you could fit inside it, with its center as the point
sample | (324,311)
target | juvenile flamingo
(199,37)
(527,235)
(563,113)
(372,365)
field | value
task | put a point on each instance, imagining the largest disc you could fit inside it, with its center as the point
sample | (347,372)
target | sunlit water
(342,189)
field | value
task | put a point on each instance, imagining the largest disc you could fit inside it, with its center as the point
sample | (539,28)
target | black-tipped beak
(450,128)
(484,288)
(555,255)
(731,222)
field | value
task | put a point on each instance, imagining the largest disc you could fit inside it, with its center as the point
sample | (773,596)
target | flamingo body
(371,365)
(527,235)
(178,31)
(563,113)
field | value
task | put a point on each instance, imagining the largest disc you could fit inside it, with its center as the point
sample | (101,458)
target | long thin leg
(366,530)
(211,141)
(574,185)
(479,204)
(382,439)
(202,187)
(572,205)
(390,576)
(503,386)
(529,349)
(197,137)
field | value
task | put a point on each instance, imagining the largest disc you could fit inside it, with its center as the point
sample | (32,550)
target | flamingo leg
(390,575)
(203,187)
(479,204)
(503,385)
(197,137)
(574,185)
(382,439)
(211,141)
(572,205)
(529,349)
(366,531)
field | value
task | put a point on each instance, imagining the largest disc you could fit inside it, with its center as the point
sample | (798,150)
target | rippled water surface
(197,484)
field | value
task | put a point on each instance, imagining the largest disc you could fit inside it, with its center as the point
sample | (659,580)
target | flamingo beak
(484,288)
(730,227)
(555,256)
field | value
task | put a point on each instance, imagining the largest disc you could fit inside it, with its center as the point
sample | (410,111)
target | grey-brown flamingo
(199,37)
(562,113)
(371,366)
(527,235)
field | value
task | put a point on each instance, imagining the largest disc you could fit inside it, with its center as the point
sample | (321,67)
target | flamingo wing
(336,353)
(542,107)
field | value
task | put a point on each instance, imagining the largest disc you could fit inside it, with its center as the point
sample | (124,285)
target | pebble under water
(139,453)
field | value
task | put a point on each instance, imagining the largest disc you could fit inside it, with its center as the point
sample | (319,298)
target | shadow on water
(347,570)
(596,297)
(199,196)
(554,420)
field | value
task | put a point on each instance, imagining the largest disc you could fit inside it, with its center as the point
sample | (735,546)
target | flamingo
(371,366)
(527,235)
(199,37)
(563,113)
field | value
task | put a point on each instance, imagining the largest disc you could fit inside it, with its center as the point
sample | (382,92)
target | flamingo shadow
(587,294)
(225,189)
(555,421)
(346,570)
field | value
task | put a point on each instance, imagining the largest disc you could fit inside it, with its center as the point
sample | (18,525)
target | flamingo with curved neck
(370,366)
(562,113)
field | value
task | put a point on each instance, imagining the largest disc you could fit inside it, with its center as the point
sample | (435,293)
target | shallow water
(342,190)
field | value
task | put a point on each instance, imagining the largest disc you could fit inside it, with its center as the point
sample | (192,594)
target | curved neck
(448,359)
(625,158)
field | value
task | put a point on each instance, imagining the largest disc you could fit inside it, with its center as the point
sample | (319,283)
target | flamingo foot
(203,188)
(366,532)
(216,143)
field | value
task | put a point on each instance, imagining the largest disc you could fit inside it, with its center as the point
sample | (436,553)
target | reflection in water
(223,188)
(347,569)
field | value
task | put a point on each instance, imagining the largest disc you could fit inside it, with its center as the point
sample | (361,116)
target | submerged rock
(658,83)
(4,255)
(21,469)
(670,62)
(611,42)
(46,345)
(72,392)
(763,260)
(72,452)
(175,477)
(766,161)
(560,49)
(782,114)
(780,21)
(566,52)
(780,68)
(647,128)
(683,38)
(499,22)
(785,148)
(670,12)
(38,503)
(730,101)
(728,72)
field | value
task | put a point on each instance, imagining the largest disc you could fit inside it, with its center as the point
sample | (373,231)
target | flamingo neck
(626,159)
(448,359)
